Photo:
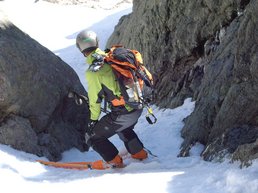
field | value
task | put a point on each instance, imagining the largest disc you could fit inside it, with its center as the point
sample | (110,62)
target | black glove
(91,125)
(89,132)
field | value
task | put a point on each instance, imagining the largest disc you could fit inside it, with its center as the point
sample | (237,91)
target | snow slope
(56,26)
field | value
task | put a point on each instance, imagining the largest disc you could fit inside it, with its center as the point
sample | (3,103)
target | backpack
(131,75)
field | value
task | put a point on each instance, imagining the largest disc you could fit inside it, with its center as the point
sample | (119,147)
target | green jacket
(101,84)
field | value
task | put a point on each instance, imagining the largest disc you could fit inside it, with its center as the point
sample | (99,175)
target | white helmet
(86,40)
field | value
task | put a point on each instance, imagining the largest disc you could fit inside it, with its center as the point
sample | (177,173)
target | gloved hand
(89,132)
(91,125)
(97,63)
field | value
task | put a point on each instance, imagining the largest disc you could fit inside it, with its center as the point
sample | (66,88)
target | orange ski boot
(117,162)
(141,155)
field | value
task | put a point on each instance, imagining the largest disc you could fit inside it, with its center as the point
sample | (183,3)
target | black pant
(112,124)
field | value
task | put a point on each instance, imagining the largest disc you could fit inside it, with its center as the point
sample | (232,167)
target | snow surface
(55,27)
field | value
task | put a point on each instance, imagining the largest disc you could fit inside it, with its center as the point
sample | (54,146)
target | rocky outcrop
(171,35)
(206,50)
(36,114)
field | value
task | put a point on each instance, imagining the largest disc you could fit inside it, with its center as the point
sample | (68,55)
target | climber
(121,120)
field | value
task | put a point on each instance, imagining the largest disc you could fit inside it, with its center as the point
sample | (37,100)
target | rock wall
(36,115)
(171,35)
(206,50)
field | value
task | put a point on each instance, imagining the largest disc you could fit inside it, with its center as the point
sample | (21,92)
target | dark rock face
(171,35)
(206,50)
(36,114)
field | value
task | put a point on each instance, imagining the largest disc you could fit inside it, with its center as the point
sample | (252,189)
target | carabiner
(150,113)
